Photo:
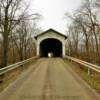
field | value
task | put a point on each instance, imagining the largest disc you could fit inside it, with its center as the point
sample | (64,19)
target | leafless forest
(17,28)
(84,32)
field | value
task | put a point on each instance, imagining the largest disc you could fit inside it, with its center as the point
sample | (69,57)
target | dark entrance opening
(53,46)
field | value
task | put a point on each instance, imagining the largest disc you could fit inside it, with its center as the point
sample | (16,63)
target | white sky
(53,12)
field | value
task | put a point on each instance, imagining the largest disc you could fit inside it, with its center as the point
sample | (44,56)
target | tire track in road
(47,89)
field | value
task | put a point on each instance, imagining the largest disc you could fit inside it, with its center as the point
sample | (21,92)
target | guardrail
(86,64)
(14,66)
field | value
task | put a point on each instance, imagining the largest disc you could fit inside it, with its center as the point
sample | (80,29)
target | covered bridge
(50,41)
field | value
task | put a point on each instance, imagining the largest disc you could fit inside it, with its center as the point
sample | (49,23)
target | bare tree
(77,20)
(9,9)
(87,20)
(92,23)
(12,12)
(74,38)
(24,39)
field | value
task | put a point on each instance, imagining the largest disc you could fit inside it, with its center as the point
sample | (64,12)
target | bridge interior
(53,46)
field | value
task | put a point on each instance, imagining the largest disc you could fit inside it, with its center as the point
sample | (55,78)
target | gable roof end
(52,31)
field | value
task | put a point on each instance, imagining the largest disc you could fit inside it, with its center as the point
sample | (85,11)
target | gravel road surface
(48,79)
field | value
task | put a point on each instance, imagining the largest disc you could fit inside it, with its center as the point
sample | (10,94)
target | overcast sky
(53,12)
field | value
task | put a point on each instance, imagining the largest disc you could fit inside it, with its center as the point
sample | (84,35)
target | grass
(93,80)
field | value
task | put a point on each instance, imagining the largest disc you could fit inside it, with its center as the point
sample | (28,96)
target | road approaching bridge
(48,79)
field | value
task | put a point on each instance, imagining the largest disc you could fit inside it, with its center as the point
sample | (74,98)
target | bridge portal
(52,46)
(52,42)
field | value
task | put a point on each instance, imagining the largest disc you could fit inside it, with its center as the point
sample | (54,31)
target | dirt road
(47,79)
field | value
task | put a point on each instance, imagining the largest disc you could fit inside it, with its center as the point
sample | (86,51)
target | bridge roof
(52,30)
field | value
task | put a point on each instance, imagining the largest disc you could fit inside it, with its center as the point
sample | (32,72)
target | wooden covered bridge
(51,41)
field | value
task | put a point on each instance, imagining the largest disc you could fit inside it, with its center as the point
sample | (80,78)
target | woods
(16,31)
(84,32)
(18,27)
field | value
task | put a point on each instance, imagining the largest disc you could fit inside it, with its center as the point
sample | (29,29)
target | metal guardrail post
(89,71)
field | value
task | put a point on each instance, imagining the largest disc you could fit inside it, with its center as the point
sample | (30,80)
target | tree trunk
(87,49)
(5,40)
